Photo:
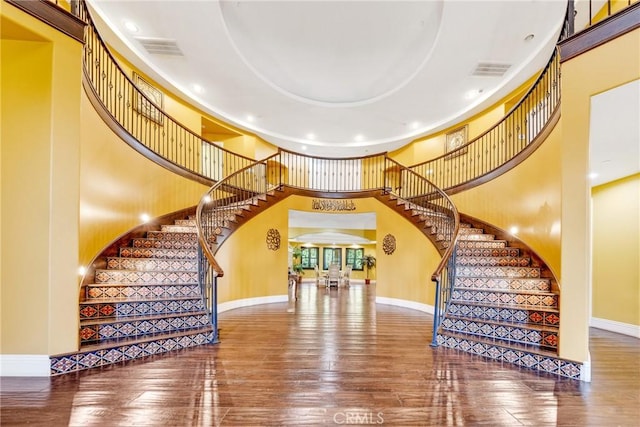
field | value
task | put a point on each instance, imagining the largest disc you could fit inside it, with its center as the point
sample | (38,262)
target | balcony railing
(142,123)
(353,177)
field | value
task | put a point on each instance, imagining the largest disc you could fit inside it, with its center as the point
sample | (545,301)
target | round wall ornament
(389,244)
(273,239)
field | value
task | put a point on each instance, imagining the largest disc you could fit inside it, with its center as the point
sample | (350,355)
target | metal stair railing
(330,178)
(141,122)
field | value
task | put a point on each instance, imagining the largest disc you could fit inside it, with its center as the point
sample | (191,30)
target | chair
(320,276)
(333,275)
(346,275)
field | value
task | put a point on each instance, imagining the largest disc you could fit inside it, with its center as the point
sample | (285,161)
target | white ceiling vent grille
(490,69)
(160,46)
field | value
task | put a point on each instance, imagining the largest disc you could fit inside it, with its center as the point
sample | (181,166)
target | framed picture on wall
(454,140)
(144,104)
(353,257)
(331,256)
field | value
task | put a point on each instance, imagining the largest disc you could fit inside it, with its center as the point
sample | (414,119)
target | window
(331,256)
(353,257)
(309,258)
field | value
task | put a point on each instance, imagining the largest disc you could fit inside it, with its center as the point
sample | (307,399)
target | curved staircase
(146,301)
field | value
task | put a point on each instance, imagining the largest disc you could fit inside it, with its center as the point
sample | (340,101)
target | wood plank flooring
(333,357)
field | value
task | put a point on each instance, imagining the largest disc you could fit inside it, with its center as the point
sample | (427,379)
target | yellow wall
(432,146)
(600,69)
(527,197)
(118,185)
(40,96)
(616,251)
(251,270)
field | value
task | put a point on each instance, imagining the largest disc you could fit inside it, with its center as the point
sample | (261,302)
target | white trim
(238,303)
(618,327)
(406,304)
(585,370)
(25,365)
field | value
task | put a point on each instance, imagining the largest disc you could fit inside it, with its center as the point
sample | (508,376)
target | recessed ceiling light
(311,136)
(593,175)
(529,37)
(304,148)
(250,118)
(198,89)
(131,27)
(474,93)
(359,137)
(415,125)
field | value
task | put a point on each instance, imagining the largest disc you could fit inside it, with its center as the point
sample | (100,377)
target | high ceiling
(336,78)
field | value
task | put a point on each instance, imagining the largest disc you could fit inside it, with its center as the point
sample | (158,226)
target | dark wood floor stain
(333,357)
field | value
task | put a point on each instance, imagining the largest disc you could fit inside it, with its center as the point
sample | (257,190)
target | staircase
(501,308)
(146,301)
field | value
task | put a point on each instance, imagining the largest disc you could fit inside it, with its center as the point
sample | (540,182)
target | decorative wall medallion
(389,244)
(273,239)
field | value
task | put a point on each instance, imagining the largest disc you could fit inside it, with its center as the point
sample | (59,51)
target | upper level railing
(326,177)
(504,145)
(142,123)
(329,178)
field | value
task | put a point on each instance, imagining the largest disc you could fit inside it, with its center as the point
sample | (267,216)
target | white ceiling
(323,227)
(336,78)
(614,134)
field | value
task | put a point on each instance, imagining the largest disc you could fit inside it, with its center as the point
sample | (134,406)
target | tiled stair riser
(503,314)
(125,263)
(481,244)
(520,284)
(507,298)
(521,358)
(179,228)
(96,310)
(131,252)
(150,277)
(477,237)
(468,251)
(93,359)
(517,333)
(496,261)
(496,271)
(143,291)
(164,243)
(90,333)
(186,222)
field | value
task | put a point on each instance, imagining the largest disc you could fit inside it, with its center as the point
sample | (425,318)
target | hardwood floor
(333,357)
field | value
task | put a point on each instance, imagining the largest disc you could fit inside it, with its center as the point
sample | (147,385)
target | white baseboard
(585,371)
(25,365)
(247,302)
(406,304)
(614,326)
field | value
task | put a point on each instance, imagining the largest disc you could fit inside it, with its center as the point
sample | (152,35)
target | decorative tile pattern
(134,291)
(96,310)
(127,263)
(542,285)
(475,237)
(134,276)
(133,252)
(530,360)
(508,333)
(491,244)
(545,300)
(503,261)
(91,359)
(103,332)
(486,252)
(191,236)
(164,243)
(497,271)
(510,315)
(179,228)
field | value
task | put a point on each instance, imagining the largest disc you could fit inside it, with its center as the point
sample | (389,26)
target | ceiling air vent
(490,69)
(160,46)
